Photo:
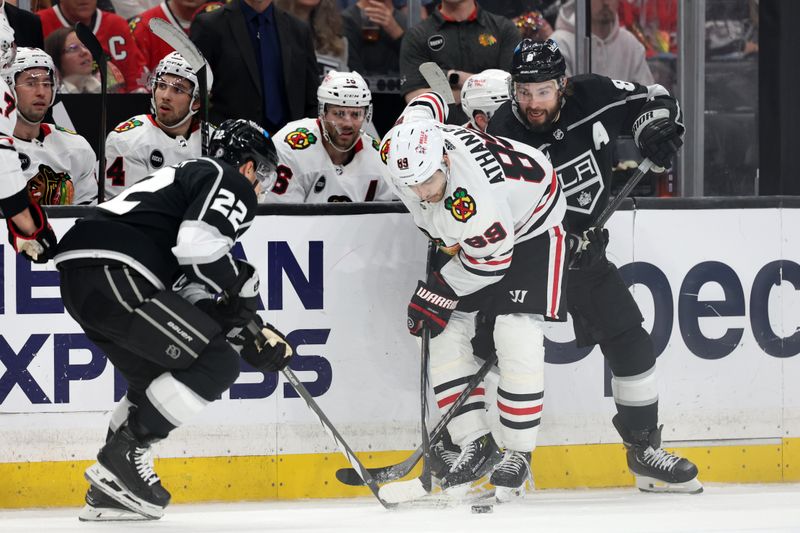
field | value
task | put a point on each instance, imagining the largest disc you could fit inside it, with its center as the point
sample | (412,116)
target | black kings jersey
(581,143)
(181,219)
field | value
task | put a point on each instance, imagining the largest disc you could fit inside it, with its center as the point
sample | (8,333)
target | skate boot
(443,456)
(102,508)
(511,474)
(124,471)
(655,469)
(477,459)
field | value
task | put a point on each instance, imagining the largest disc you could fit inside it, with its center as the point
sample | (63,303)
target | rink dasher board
(357,273)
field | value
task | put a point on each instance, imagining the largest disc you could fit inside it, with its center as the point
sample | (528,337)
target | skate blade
(411,493)
(106,514)
(111,486)
(650,484)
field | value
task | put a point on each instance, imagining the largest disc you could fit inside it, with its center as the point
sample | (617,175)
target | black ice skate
(477,459)
(443,456)
(511,474)
(102,508)
(655,469)
(124,471)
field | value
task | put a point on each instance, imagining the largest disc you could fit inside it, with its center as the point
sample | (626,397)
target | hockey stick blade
(334,434)
(613,205)
(178,40)
(350,476)
(437,81)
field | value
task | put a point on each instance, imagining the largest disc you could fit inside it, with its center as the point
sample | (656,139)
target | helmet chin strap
(338,131)
(27,120)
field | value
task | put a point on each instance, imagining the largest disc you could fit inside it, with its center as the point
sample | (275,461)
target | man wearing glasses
(168,135)
(330,158)
(58,164)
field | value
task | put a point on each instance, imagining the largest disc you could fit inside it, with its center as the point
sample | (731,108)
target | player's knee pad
(175,401)
(177,332)
(520,393)
(214,372)
(630,353)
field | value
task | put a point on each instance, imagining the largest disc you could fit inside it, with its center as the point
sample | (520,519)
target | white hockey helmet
(7,45)
(485,91)
(416,151)
(28,58)
(346,89)
(174,63)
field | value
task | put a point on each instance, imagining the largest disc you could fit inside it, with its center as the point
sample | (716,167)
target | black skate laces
(512,462)
(660,458)
(143,459)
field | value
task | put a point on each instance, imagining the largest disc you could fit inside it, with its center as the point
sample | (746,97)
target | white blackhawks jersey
(11,179)
(306,173)
(138,147)
(499,193)
(61,151)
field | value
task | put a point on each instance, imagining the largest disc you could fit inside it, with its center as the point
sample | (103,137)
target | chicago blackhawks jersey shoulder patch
(128,125)
(461,205)
(300,139)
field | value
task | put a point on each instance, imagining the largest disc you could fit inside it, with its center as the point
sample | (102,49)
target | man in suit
(27,26)
(263,63)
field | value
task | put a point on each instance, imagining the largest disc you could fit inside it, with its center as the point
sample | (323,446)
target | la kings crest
(581,181)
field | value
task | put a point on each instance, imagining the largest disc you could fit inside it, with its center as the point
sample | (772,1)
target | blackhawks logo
(461,205)
(65,130)
(487,39)
(376,145)
(385,151)
(300,139)
(128,125)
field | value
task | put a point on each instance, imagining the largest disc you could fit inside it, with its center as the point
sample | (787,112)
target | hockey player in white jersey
(484,201)
(28,230)
(58,164)
(482,94)
(168,135)
(330,158)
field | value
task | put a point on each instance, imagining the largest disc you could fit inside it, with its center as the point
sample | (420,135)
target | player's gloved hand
(592,250)
(261,345)
(431,306)
(657,131)
(39,247)
(236,306)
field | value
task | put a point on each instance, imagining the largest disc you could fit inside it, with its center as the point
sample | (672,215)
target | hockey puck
(482,509)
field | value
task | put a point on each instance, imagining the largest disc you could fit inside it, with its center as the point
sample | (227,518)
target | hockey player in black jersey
(127,274)
(575,121)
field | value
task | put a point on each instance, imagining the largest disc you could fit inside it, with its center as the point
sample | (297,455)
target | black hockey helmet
(238,141)
(536,61)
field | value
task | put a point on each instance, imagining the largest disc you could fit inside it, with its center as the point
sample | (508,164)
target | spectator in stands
(76,69)
(263,62)
(169,134)
(129,9)
(325,21)
(111,30)
(179,13)
(463,39)
(616,53)
(27,26)
(59,164)
(533,25)
(374,31)
(330,158)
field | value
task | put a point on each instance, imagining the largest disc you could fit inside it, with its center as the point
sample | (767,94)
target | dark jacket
(27,27)
(223,38)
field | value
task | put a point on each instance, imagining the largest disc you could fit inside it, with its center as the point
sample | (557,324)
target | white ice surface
(728,508)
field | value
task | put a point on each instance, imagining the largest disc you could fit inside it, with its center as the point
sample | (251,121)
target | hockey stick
(437,81)
(85,36)
(384,474)
(178,40)
(425,357)
(611,207)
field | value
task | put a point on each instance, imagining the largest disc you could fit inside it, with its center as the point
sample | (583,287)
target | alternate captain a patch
(385,151)
(300,139)
(128,125)
(461,205)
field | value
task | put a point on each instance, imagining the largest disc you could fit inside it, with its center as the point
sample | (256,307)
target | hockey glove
(592,250)
(237,305)
(658,132)
(262,346)
(431,306)
(39,247)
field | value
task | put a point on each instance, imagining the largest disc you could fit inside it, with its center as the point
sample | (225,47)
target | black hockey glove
(431,306)
(237,305)
(592,249)
(39,247)
(657,131)
(263,346)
